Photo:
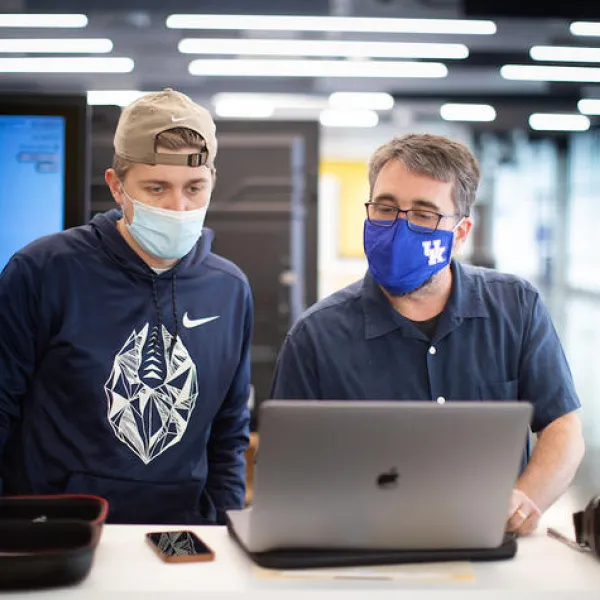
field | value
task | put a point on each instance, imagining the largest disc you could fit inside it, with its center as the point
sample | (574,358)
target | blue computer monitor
(43,168)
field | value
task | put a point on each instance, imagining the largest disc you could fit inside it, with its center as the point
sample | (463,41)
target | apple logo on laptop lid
(388,479)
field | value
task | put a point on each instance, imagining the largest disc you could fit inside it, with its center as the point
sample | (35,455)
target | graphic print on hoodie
(104,387)
(151,392)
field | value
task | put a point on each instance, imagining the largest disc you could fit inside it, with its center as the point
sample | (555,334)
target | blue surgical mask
(168,234)
(401,260)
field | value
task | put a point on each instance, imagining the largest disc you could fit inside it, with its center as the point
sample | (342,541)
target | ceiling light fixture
(278,101)
(315,68)
(333,117)
(246,109)
(361,100)
(66,65)
(550,73)
(113,97)
(56,46)
(328,24)
(589,106)
(40,20)
(324,48)
(585,28)
(468,112)
(558,122)
(565,54)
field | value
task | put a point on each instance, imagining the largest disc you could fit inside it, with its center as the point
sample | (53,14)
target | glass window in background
(584,179)
(519,189)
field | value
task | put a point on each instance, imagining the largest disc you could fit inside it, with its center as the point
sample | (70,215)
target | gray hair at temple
(434,156)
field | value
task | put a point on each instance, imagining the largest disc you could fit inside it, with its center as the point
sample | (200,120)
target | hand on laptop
(524,515)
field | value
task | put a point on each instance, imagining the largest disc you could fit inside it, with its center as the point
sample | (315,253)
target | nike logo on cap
(191,323)
(177,119)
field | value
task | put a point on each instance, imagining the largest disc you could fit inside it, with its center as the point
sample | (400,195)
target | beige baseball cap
(154,113)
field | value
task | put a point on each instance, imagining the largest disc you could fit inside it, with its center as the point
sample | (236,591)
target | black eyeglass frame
(411,226)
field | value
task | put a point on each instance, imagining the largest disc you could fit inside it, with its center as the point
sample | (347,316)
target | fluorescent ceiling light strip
(66,65)
(347,24)
(255,109)
(56,46)
(40,20)
(294,101)
(113,97)
(585,28)
(332,117)
(550,73)
(468,112)
(558,122)
(365,100)
(589,106)
(315,68)
(565,54)
(322,48)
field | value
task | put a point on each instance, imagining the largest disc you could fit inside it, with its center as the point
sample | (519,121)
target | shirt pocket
(502,390)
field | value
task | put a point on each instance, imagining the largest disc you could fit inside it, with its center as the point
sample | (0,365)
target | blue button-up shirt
(494,341)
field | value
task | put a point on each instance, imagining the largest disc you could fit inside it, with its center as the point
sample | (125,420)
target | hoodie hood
(118,250)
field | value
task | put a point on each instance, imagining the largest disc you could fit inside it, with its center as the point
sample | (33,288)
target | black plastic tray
(89,509)
(48,541)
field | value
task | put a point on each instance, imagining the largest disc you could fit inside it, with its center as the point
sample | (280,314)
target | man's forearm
(226,488)
(226,481)
(554,462)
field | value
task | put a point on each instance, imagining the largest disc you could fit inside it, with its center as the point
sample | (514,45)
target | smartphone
(179,546)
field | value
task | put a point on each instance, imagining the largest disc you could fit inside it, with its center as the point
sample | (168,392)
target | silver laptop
(383,475)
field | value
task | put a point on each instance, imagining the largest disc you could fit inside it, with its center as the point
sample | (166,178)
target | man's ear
(213,177)
(461,233)
(114,185)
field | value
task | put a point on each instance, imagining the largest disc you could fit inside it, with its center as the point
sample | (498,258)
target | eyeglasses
(421,221)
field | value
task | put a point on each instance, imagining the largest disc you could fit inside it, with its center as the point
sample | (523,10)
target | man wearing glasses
(421,326)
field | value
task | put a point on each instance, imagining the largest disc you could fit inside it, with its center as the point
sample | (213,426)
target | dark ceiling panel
(539,9)
(262,7)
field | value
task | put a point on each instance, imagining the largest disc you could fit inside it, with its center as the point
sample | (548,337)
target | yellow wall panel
(352,177)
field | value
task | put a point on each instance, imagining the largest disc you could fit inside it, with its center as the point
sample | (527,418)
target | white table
(124,563)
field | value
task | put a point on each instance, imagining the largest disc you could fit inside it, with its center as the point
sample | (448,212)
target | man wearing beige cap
(124,343)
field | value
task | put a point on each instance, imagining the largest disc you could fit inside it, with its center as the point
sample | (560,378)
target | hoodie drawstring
(175,318)
(174,304)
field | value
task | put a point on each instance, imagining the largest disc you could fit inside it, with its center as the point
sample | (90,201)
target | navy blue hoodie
(119,382)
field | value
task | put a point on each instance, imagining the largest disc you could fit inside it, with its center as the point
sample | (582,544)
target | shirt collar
(381,318)
(465,301)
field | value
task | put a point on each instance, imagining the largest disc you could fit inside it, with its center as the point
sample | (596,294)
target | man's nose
(176,201)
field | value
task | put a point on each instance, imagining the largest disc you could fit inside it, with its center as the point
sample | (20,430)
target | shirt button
(432,350)
(441,400)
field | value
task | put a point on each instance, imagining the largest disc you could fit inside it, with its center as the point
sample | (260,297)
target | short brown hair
(434,156)
(172,139)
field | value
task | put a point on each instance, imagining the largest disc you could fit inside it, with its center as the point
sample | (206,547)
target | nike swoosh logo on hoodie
(191,323)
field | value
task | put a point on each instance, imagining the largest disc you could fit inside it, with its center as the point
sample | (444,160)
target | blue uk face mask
(401,260)
(168,234)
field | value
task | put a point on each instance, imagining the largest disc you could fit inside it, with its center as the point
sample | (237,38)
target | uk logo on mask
(434,251)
